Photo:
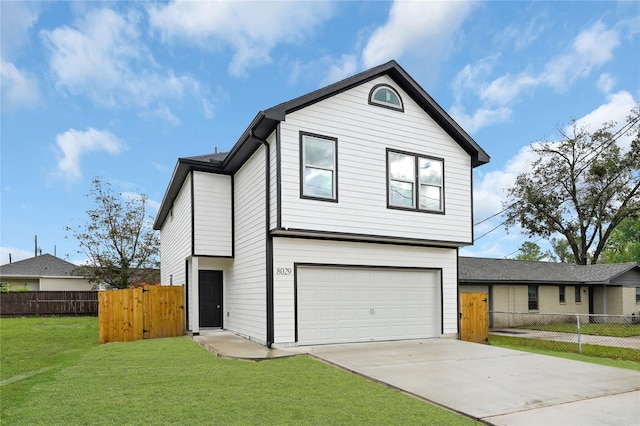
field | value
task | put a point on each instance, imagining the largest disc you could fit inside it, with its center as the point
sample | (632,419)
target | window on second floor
(318,167)
(415,182)
(385,96)
(533,297)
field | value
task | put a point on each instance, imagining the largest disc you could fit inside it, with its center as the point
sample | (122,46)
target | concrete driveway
(495,385)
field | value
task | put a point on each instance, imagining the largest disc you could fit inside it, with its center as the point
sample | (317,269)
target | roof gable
(39,266)
(265,122)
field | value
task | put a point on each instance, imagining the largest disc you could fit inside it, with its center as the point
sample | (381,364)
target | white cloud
(19,88)
(16,19)
(73,144)
(251,29)
(104,58)
(481,117)
(16,254)
(154,205)
(421,28)
(590,49)
(340,69)
(606,83)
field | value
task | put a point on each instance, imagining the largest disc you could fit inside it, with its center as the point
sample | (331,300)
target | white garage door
(339,304)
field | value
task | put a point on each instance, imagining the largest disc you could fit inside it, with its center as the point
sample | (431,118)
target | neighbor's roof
(510,271)
(266,121)
(45,265)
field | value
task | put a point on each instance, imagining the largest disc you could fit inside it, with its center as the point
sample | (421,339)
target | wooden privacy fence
(474,317)
(145,312)
(30,303)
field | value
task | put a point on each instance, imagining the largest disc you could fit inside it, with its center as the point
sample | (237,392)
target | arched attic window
(385,96)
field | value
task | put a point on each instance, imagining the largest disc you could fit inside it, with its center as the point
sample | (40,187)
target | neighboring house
(43,273)
(547,287)
(336,217)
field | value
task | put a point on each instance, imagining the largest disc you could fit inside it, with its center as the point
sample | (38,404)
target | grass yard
(54,372)
(613,330)
(605,355)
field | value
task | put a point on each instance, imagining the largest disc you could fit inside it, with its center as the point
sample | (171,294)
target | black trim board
(193,214)
(278,177)
(358,266)
(364,238)
(301,177)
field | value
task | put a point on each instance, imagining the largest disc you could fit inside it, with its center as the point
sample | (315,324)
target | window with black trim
(318,167)
(561,294)
(533,297)
(637,294)
(578,294)
(385,96)
(415,182)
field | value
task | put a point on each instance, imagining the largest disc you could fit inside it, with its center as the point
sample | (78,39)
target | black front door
(210,298)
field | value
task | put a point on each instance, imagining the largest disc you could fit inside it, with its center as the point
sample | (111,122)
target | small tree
(561,252)
(581,187)
(530,251)
(122,249)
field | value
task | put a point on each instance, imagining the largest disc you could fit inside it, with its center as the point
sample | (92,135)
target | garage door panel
(357,304)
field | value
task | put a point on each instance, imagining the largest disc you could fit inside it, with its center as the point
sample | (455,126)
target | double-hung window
(561,294)
(533,297)
(578,294)
(318,167)
(415,182)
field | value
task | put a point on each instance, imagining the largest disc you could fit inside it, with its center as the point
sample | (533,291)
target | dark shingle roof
(476,269)
(39,266)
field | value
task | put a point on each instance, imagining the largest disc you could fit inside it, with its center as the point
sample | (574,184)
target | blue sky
(120,90)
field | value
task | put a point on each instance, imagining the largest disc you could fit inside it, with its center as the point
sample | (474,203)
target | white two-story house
(336,217)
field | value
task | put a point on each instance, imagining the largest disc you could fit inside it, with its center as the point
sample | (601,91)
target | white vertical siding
(288,251)
(175,237)
(212,214)
(364,132)
(245,288)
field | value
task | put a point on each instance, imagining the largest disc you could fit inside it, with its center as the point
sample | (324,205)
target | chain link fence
(600,335)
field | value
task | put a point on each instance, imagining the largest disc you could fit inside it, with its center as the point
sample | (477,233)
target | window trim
(375,102)
(416,182)
(562,294)
(334,198)
(637,294)
(578,294)
(535,307)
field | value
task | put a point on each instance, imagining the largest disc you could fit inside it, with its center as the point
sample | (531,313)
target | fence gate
(141,313)
(474,317)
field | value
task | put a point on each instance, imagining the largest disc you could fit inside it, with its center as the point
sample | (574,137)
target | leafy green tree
(561,251)
(530,251)
(121,247)
(581,187)
(624,243)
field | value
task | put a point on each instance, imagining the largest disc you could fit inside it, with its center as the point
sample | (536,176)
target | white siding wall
(288,251)
(245,284)
(175,237)
(364,133)
(212,215)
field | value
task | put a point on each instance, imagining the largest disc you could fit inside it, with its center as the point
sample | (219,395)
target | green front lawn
(174,380)
(605,355)
(613,330)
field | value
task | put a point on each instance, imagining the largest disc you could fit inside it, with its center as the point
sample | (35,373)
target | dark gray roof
(509,271)
(39,266)
(266,121)
(216,158)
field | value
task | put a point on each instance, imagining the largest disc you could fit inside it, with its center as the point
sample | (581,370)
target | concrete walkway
(494,385)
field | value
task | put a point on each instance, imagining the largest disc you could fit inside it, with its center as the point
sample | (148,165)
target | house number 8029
(283,271)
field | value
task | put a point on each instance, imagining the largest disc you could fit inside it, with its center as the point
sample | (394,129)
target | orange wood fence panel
(474,317)
(140,313)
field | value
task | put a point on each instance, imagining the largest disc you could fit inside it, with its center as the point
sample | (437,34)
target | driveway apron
(495,385)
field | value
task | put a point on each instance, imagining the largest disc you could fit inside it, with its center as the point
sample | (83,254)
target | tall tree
(624,243)
(121,247)
(530,251)
(581,187)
